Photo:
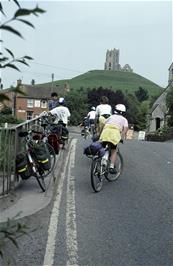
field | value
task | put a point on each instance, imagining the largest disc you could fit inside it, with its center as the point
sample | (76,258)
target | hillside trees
(141,94)
(136,110)
(76,101)
(114,97)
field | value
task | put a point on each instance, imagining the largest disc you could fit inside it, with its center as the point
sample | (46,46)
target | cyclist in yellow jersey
(115,129)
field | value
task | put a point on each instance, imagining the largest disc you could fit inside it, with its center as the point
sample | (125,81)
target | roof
(170,66)
(36,91)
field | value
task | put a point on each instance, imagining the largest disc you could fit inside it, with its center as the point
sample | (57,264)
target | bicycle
(38,168)
(85,132)
(100,168)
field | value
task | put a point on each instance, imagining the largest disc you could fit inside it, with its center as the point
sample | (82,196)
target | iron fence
(10,145)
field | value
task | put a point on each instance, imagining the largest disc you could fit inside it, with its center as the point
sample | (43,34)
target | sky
(72,37)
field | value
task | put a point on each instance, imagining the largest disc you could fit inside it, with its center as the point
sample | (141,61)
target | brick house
(33,102)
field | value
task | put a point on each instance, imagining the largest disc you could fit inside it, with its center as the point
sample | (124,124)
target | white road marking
(52,231)
(71,228)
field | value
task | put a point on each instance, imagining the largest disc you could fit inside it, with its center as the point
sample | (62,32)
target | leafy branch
(5,61)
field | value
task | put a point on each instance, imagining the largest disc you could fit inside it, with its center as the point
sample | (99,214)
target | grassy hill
(115,80)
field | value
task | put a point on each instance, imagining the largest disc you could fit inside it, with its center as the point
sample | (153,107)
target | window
(30,103)
(43,104)
(109,64)
(37,103)
(29,115)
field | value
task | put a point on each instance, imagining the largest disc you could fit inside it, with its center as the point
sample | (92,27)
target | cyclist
(54,101)
(91,117)
(85,125)
(115,129)
(103,111)
(62,112)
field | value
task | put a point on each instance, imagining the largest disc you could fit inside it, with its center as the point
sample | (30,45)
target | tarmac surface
(19,203)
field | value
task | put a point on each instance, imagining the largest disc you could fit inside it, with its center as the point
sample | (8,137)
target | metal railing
(10,145)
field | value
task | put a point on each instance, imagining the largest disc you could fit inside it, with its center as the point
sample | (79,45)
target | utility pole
(52,82)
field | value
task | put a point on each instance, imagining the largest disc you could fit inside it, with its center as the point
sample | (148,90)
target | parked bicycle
(46,122)
(100,168)
(37,160)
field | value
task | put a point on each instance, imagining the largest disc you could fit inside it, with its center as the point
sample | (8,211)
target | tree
(114,97)
(7,58)
(141,94)
(77,104)
(136,112)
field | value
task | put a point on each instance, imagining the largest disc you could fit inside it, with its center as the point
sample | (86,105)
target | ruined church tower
(112,60)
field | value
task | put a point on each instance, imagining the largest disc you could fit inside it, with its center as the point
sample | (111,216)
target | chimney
(19,82)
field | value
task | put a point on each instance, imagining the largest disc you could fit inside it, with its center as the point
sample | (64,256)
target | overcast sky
(72,37)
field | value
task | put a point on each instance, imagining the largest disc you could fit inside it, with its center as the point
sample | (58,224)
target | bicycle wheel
(52,160)
(118,167)
(96,178)
(41,182)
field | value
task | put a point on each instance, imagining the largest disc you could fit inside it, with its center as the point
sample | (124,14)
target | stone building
(112,61)
(159,111)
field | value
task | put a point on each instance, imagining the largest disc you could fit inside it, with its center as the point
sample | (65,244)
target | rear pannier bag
(65,133)
(23,167)
(54,142)
(94,148)
(42,155)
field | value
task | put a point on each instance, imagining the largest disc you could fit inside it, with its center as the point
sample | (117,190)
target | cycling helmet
(93,108)
(61,100)
(120,108)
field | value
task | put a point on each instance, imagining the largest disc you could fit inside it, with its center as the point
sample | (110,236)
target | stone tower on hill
(112,61)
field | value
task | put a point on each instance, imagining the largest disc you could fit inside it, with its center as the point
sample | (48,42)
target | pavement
(28,197)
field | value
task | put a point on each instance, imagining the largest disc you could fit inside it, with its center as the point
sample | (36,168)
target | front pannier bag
(42,155)
(94,148)
(23,167)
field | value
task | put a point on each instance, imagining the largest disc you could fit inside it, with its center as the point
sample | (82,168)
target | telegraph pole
(52,81)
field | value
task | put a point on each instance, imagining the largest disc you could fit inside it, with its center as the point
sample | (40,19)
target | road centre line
(71,227)
(52,230)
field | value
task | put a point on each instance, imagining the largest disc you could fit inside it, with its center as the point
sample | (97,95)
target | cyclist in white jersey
(62,112)
(103,111)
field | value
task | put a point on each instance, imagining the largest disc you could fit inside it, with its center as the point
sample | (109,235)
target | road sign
(141,135)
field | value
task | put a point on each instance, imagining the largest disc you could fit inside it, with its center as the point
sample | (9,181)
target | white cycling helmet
(120,108)
(61,100)
(93,108)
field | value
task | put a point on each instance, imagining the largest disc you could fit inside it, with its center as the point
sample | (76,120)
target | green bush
(162,134)
(9,119)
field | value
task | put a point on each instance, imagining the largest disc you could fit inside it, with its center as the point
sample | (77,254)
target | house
(32,102)
(159,111)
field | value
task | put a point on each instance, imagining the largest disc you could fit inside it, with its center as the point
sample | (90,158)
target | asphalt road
(130,222)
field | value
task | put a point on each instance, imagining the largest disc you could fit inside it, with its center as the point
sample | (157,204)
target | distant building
(112,61)
(159,111)
(127,68)
(34,100)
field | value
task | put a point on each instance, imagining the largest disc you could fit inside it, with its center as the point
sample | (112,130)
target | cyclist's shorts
(113,147)
(92,121)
